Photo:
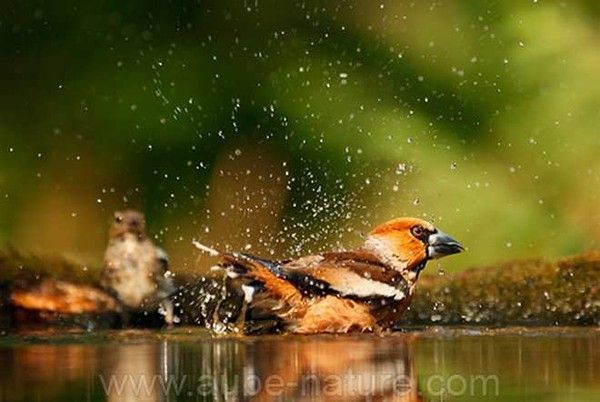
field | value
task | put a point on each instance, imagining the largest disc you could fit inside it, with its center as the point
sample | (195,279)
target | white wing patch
(349,283)
(248,293)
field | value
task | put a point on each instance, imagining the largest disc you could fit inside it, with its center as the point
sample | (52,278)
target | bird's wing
(163,258)
(355,274)
(163,277)
(263,271)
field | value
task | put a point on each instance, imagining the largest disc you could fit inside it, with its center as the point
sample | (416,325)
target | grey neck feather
(382,249)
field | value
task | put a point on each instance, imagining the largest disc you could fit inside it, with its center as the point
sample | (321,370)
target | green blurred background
(285,127)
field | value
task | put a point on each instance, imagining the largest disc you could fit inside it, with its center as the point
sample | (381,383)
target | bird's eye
(417,231)
(118,219)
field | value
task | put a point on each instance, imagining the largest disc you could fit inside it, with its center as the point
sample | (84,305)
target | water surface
(433,364)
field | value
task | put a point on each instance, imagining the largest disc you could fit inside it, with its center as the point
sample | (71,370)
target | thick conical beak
(440,245)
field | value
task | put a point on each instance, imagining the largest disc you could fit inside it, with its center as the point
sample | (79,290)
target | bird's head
(129,221)
(408,243)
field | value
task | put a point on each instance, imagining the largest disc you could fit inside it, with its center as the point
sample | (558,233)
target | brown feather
(275,286)
(364,263)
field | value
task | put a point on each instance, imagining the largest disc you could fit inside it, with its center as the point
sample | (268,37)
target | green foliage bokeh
(480,115)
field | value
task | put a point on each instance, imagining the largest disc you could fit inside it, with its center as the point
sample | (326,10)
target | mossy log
(537,292)
(52,290)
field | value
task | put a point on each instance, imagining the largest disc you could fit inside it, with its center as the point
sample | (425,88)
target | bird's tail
(252,268)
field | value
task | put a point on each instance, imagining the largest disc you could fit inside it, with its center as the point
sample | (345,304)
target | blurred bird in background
(366,289)
(135,270)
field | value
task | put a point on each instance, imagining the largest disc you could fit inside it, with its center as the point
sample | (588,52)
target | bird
(135,270)
(365,289)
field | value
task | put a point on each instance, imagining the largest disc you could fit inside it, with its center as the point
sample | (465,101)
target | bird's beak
(440,245)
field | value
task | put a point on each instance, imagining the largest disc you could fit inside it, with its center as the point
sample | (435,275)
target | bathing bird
(360,290)
(135,270)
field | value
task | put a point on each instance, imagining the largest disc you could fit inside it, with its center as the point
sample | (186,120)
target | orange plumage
(365,289)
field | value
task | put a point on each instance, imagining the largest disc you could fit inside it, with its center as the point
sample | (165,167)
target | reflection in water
(144,366)
(44,372)
(314,368)
(131,366)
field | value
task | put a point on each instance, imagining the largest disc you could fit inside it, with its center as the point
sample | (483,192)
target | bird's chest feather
(132,266)
(131,257)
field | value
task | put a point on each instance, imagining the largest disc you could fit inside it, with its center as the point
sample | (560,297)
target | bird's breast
(132,272)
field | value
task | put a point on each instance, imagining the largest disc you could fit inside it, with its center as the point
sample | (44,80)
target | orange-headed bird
(365,289)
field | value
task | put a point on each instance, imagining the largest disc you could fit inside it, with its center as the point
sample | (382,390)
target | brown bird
(366,289)
(135,270)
